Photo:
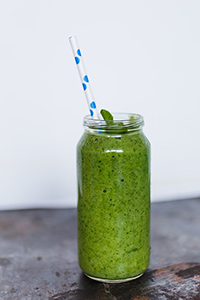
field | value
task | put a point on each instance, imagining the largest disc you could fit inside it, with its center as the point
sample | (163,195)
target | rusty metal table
(38,257)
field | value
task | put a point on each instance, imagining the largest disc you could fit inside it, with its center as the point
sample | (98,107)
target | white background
(141,56)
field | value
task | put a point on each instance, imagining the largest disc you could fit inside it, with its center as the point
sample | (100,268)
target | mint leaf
(119,126)
(107,116)
(132,118)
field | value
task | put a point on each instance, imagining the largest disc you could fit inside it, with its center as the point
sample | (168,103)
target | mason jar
(113,170)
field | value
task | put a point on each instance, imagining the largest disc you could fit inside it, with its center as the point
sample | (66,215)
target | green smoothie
(114,200)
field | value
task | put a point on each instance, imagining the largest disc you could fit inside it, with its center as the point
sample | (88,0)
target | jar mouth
(122,121)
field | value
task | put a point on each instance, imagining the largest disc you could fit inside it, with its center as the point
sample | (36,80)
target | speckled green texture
(114,204)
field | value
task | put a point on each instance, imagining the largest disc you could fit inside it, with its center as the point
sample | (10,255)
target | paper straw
(84,77)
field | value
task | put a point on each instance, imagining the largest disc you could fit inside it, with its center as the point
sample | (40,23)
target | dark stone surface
(38,257)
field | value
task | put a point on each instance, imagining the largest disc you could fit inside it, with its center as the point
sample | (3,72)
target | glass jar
(113,168)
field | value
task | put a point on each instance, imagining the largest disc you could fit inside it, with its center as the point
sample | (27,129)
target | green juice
(114,203)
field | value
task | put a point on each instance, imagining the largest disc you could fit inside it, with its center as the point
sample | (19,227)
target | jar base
(114,280)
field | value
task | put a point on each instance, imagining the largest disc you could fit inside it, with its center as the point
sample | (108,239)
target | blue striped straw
(84,77)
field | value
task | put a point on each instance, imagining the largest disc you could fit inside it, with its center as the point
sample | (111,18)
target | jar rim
(126,118)
(121,120)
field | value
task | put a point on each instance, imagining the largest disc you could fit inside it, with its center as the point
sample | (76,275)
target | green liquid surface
(113,204)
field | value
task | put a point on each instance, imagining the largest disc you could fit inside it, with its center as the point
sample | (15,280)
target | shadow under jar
(113,168)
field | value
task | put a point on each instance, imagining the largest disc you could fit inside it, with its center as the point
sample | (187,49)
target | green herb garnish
(107,116)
